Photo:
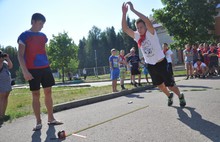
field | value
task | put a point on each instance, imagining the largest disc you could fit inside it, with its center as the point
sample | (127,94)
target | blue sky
(76,17)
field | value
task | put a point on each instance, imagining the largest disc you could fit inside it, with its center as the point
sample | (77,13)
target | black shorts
(135,71)
(41,76)
(160,73)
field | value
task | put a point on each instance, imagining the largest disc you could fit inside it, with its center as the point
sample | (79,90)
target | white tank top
(150,48)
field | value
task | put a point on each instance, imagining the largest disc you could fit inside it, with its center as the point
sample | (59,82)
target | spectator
(5,83)
(213,60)
(169,56)
(188,58)
(200,69)
(122,67)
(134,62)
(84,73)
(113,63)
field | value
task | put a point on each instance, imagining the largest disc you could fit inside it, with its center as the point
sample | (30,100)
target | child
(148,42)
(35,67)
(169,56)
(122,67)
(145,71)
(134,62)
(188,59)
(5,82)
(113,63)
(213,60)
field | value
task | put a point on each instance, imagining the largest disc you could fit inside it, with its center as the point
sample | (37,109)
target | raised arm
(125,27)
(148,23)
(10,64)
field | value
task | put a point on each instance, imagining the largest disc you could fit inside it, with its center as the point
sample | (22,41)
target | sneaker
(187,78)
(139,84)
(170,99)
(191,77)
(182,101)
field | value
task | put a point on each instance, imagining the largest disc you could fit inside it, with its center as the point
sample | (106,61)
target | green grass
(20,100)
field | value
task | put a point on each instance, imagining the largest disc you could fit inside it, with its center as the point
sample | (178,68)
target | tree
(62,53)
(92,45)
(188,21)
(82,53)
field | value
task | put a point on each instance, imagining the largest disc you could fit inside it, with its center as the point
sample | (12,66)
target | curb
(87,101)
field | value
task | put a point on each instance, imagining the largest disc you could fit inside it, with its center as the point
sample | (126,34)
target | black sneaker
(139,84)
(170,99)
(182,101)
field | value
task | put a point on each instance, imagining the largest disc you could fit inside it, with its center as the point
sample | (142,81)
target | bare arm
(125,27)
(10,64)
(143,17)
(26,73)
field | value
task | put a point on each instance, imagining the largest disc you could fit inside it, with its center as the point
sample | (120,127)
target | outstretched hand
(124,8)
(131,5)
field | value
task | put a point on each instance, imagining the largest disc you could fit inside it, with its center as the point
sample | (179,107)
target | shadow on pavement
(36,136)
(197,123)
(134,96)
(51,134)
(193,86)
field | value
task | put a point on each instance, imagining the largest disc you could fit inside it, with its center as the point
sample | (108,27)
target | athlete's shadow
(196,122)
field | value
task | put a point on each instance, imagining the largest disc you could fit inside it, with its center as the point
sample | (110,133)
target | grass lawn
(20,101)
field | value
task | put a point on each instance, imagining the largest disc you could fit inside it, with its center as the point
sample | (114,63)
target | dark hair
(140,21)
(38,17)
(165,44)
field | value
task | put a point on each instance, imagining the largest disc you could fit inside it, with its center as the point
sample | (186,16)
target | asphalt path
(136,117)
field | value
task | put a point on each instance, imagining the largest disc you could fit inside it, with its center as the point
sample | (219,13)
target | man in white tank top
(148,42)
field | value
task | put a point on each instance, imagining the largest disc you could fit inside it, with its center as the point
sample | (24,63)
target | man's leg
(176,90)
(36,105)
(164,89)
(49,103)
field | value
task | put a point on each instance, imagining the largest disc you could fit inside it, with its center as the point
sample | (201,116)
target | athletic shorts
(135,71)
(114,74)
(42,77)
(159,74)
(146,71)
(122,72)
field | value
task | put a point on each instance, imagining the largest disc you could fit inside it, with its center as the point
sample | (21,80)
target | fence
(79,72)
(95,71)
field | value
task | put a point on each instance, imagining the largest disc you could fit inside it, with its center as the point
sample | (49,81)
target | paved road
(147,119)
